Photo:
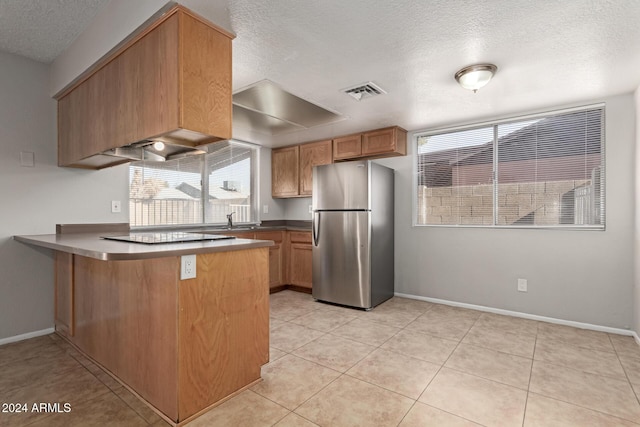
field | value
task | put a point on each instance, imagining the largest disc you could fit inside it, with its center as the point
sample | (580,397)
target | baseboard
(26,336)
(299,289)
(296,288)
(278,288)
(580,325)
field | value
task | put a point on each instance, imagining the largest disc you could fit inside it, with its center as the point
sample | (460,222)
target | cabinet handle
(316,234)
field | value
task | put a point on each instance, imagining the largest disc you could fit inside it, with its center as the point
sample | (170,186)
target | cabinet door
(313,154)
(284,171)
(347,147)
(64,294)
(276,256)
(384,141)
(133,97)
(206,80)
(301,260)
(300,272)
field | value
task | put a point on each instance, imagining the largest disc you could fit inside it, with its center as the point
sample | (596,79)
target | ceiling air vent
(364,90)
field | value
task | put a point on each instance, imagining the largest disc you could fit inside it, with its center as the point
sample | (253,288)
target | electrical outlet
(265,209)
(116,206)
(310,208)
(187,267)
(522,285)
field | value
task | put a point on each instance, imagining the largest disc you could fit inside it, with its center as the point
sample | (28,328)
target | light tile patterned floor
(406,363)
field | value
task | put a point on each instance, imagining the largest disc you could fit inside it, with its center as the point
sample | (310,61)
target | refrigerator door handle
(316,234)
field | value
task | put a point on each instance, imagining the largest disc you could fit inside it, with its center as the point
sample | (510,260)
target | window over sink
(200,189)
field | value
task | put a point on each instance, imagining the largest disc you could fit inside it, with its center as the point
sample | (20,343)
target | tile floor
(406,363)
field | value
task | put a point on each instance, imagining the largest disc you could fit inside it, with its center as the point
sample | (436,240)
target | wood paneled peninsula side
(181,345)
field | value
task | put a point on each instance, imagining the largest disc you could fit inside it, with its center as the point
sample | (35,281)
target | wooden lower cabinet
(300,259)
(182,345)
(276,256)
(289,257)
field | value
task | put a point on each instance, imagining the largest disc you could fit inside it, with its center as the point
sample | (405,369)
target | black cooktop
(153,238)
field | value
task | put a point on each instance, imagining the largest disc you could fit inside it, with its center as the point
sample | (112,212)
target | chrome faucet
(230,220)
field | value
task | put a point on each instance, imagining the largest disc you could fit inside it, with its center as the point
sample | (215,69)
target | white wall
(583,276)
(114,23)
(35,199)
(298,209)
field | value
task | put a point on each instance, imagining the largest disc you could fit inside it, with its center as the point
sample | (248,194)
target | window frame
(204,177)
(495,123)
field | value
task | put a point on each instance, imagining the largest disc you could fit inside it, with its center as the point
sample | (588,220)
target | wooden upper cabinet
(312,154)
(347,147)
(284,171)
(391,141)
(287,166)
(171,81)
(388,141)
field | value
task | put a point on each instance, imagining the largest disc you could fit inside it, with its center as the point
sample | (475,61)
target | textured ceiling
(549,53)
(42,29)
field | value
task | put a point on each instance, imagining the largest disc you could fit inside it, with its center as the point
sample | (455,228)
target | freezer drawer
(341,257)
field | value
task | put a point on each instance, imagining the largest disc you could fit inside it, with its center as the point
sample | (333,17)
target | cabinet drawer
(300,236)
(276,236)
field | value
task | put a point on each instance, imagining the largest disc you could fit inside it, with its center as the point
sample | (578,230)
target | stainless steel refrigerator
(353,233)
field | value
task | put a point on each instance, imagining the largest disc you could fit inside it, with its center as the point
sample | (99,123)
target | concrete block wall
(535,203)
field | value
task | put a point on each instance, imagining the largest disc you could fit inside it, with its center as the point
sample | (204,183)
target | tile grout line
(533,358)
(291,353)
(607,414)
(109,389)
(624,370)
(440,369)
(380,347)
(345,373)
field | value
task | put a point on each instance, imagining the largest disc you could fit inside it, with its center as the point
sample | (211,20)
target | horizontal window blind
(200,189)
(165,193)
(546,171)
(230,185)
(449,194)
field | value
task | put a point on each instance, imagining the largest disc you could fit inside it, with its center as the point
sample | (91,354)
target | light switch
(27,159)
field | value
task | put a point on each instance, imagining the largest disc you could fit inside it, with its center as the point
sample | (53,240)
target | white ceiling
(43,29)
(548,52)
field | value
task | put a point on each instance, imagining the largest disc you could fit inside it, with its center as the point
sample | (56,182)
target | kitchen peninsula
(181,345)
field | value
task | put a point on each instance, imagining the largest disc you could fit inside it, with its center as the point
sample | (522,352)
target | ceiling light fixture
(476,76)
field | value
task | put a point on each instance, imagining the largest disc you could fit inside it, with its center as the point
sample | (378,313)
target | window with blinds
(196,189)
(539,171)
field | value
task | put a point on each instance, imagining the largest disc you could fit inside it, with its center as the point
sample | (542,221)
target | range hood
(267,108)
(158,151)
